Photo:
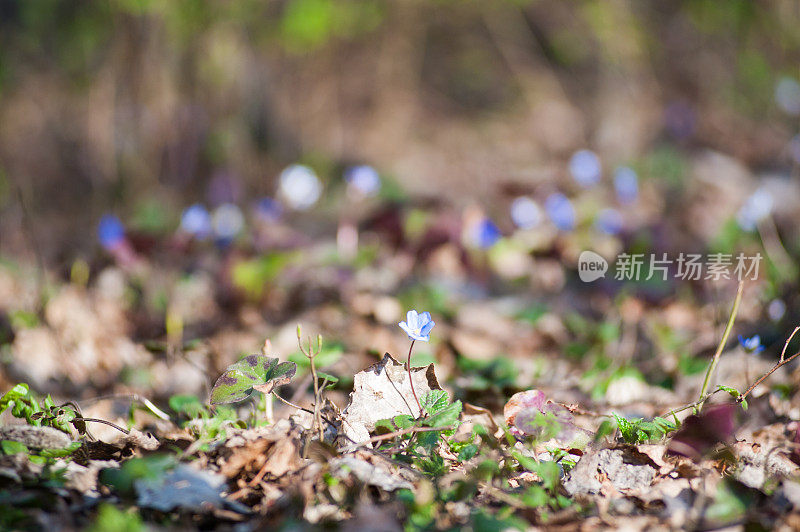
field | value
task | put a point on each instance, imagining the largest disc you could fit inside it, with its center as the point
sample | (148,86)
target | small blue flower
(609,221)
(227,222)
(110,231)
(584,165)
(757,208)
(486,234)
(268,210)
(418,326)
(300,186)
(560,211)
(752,344)
(525,213)
(363,179)
(626,185)
(196,221)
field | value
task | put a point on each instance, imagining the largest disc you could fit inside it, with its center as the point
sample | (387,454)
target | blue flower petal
(411,319)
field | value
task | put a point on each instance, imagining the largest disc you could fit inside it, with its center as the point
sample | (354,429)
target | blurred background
(184,170)
(136,106)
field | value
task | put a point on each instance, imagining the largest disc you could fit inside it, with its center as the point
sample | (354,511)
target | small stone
(35,437)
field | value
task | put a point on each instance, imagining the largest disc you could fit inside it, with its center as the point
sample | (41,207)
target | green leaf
(606,428)
(384,426)
(403,421)
(445,416)
(186,404)
(549,472)
(254,372)
(525,461)
(434,401)
(14,394)
(468,452)
(60,453)
(332,379)
(13,447)
(736,394)
(535,497)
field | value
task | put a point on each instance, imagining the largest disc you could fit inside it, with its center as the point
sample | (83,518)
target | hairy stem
(410,379)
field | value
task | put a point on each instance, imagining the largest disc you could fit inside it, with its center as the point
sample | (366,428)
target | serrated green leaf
(445,416)
(254,372)
(434,401)
(403,421)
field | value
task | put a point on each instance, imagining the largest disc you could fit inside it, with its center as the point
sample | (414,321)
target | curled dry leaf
(383,391)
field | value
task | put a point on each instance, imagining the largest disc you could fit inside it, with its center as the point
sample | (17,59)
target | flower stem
(410,379)
(721,345)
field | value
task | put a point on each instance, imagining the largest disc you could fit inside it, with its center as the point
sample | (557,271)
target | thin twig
(391,435)
(767,374)
(722,342)
(574,409)
(786,345)
(103,421)
(286,402)
(133,397)
(691,405)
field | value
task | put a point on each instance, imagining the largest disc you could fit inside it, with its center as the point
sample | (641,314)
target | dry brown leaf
(383,391)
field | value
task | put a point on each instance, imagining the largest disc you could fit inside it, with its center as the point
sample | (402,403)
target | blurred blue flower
(110,231)
(752,344)
(560,210)
(525,213)
(486,234)
(363,179)
(776,309)
(757,207)
(584,165)
(268,210)
(196,221)
(300,186)
(626,185)
(609,221)
(418,326)
(227,221)
(787,95)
